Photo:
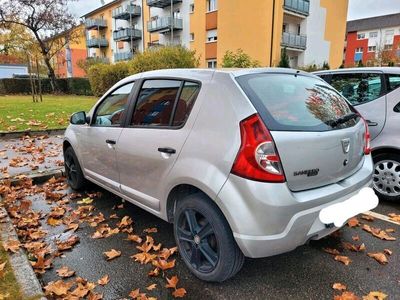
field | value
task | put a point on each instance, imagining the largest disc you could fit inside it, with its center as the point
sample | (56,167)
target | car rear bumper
(268,219)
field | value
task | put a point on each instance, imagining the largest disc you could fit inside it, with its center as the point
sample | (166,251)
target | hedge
(75,86)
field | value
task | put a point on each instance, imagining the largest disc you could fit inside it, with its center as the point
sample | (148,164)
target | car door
(149,146)
(98,141)
(365,91)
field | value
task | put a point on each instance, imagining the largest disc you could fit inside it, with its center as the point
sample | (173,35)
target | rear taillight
(367,139)
(258,158)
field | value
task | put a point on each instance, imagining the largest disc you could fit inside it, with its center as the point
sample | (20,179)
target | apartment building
(313,32)
(373,40)
(66,61)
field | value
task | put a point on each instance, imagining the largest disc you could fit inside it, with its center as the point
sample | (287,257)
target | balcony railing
(292,40)
(95,24)
(163,24)
(161,3)
(298,6)
(126,12)
(96,43)
(127,34)
(103,60)
(123,56)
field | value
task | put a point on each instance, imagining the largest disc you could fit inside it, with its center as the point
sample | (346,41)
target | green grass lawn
(20,113)
(9,288)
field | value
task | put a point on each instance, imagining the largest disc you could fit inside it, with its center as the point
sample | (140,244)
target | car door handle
(111,142)
(167,150)
(372,124)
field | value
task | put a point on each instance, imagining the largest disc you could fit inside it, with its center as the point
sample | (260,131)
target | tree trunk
(52,74)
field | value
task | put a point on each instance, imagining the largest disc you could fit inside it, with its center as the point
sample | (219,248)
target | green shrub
(102,77)
(238,59)
(171,57)
(284,62)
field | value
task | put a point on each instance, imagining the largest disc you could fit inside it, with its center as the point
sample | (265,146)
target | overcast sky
(358,9)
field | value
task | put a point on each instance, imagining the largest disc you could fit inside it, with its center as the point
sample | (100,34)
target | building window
(389,36)
(212,63)
(191,9)
(371,48)
(388,47)
(212,36)
(192,36)
(373,34)
(211,5)
(360,36)
(284,29)
(359,50)
(298,29)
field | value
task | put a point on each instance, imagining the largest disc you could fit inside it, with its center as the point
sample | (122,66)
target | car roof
(207,74)
(391,70)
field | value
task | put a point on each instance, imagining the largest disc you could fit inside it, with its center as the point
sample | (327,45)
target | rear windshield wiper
(342,120)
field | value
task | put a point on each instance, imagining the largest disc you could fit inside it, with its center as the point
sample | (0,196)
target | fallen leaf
(388,251)
(85,201)
(355,238)
(379,257)
(163,264)
(343,259)
(353,222)
(331,251)
(12,245)
(134,294)
(150,230)
(378,233)
(346,296)
(354,248)
(394,217)
(2,266)
(390,230)
(65,272)
(144,257)
(112,254)
(179,293)
(172,282)
(134,238)
(95,296)
(367,218)
(154,273)
(58,288)
(339,287)
(151,287)
(375,296)
(104,280)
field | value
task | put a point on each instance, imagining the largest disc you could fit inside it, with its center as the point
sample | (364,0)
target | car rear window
(288,102)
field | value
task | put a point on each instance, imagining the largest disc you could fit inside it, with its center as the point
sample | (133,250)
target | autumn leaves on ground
(21,113)
(42,253)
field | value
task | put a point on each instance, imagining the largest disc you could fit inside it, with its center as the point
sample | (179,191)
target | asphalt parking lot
(306,273)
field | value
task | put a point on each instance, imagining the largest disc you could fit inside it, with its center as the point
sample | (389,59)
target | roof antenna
(297,72)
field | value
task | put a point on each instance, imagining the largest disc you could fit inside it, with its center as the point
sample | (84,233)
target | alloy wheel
(197,241)
(386,179)
(70,168)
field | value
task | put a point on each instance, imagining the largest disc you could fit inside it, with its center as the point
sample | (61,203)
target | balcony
(95,24)
(121,56)
(163,24)
(301,7)
(102,60)
(96,43)
(126,12)
(127,34)
(161,3)
(295,41)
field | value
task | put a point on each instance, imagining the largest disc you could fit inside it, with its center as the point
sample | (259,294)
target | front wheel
(205,240)
(386,179)
(73,170)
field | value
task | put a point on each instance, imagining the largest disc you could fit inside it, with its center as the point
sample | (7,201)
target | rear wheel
(386,179)
(73,170)
(205,240)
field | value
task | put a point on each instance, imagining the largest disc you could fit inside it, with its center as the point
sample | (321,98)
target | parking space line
(381,217)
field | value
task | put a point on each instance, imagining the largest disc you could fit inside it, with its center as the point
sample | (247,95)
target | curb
(39,177)
(18,134)
(23,270)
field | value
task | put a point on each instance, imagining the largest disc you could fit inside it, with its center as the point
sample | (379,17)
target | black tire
(73,170)
(387,171)
(225,258)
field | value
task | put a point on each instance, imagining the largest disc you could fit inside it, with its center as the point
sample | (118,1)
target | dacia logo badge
(346,145)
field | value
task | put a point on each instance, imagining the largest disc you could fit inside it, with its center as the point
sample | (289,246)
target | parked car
(375,93)
(243,163)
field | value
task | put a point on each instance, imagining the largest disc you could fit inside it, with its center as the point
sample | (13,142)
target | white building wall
(318,49)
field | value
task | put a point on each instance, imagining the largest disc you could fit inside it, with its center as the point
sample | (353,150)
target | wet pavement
(30,155)
(305,273)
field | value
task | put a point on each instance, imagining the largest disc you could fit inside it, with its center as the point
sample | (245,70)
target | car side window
(111,111)
(358,88)
(393,81)
(155,103)
(185,103)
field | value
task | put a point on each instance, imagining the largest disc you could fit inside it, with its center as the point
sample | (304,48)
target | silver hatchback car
(243,162)
(375,93)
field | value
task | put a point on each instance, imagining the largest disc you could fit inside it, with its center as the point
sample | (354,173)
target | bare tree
(43,18)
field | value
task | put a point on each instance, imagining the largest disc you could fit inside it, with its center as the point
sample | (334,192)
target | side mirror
(79,118)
